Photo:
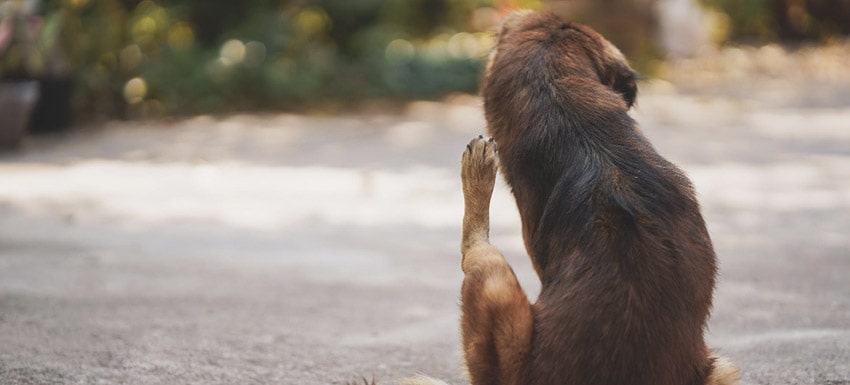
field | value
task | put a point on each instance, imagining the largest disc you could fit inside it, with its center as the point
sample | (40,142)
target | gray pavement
(290,249)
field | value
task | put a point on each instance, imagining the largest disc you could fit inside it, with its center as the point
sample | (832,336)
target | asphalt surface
(290,249)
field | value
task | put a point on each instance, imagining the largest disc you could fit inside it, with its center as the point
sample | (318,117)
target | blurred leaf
(281,53)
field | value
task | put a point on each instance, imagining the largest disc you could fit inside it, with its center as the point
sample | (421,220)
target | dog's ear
(625,83)
(617,73)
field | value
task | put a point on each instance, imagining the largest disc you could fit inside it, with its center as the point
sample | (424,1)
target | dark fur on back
(613,229)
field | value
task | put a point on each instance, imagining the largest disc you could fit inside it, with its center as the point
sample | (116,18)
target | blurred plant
(134,58)
(28,43)
(767,20)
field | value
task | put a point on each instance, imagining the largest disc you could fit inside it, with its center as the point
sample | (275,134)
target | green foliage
(766,20)
(748,18)
(144,58)
(28,43)
(153,57)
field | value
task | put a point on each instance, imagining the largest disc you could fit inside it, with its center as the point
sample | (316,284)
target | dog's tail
(421,380)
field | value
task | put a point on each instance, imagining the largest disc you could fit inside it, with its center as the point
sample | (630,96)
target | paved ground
(287,249)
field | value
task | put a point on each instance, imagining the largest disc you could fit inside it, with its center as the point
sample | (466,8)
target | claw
(480,136)
(490,140)
(468,148)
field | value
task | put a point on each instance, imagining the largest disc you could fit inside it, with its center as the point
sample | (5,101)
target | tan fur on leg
(496,321)
(724,372)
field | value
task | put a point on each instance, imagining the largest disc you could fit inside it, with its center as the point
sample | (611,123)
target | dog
(614,231)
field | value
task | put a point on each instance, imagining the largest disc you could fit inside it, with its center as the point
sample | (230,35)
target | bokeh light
(255,53)
(181,36)
(131,57)
(312,20)
(135,90)
(400,51)
(232,52)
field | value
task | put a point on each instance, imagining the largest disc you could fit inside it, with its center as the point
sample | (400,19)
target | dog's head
(558,48)
(549,82)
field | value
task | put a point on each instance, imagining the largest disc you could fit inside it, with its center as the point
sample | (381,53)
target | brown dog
(613,229)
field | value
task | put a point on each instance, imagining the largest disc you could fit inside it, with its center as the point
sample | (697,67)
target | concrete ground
(288,249)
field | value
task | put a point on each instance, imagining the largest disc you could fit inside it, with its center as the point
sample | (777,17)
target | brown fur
(613,229)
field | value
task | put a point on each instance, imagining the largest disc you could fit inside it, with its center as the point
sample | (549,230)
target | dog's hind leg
(723,372)
(497,319)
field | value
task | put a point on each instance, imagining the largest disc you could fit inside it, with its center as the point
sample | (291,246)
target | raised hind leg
(496,323)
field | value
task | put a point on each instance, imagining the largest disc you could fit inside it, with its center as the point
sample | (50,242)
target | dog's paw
(478,165)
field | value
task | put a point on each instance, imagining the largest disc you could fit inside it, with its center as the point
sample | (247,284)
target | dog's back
(627,270)
(614,231)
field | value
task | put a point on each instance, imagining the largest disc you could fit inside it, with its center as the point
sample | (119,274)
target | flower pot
(16,103)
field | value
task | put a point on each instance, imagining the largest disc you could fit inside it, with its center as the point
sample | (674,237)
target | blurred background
(125,59)
(267,191)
